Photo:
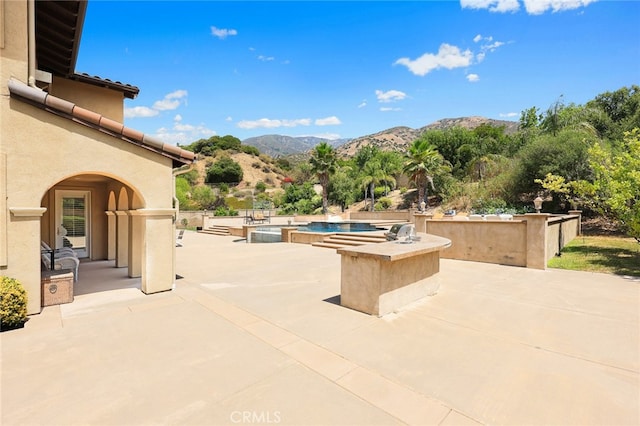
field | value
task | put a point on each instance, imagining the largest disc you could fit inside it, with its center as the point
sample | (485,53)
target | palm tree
(373,174)
(423,161)
(323,163)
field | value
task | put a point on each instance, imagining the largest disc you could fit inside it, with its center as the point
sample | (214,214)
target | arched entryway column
(111,226)
(25,236)
(136,237)
(122,229)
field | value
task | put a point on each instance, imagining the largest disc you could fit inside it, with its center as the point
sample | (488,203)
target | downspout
(177,172)
(31,42)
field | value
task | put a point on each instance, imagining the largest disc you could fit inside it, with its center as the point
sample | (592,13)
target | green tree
(224,170)
(374,174)
(423,161)
(616,183)
(551,120)
(564,155)
(323,165)
(391,163)
(342,188)
(621,112)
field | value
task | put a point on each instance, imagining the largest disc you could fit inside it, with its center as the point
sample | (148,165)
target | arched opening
(91,214)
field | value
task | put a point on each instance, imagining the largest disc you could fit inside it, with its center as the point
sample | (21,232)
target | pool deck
(254,334)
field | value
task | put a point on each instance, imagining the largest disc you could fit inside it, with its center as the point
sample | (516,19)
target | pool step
(337,241)
(220,230)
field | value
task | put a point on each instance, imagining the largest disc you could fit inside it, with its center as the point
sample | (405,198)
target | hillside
(254,170)
(399,138)
(296,149)
(280,145)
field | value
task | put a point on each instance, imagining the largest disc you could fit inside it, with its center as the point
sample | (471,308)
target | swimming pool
(338,227)
(273,233)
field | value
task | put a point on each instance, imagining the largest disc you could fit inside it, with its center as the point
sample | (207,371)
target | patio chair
(179,238)
(64,251)
(71,263)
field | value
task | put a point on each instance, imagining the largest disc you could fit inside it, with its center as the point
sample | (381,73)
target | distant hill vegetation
(394,139)
(399,138)
(280,145)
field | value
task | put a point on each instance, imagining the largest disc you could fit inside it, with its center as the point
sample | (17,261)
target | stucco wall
(382,215)
(503,242)
(98,99)
(529,240)
(13,54)
(59,148)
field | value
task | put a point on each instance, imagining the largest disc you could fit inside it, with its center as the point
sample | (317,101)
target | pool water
(338,227)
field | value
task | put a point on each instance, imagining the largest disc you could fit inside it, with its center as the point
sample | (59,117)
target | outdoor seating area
(62,258)
(257,217)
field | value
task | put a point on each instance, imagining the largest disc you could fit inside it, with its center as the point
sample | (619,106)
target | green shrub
(382,204)
(13,304)
(225,211)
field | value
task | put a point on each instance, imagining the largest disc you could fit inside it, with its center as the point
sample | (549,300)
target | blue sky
(346,69)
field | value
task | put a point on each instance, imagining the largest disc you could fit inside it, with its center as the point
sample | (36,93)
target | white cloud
(492,46)
(473,78)
(184,127)
(362,104)
(448,56)
(183,133)
(533,7)
(537,7)
(223,33)
(390,96)
(272,124)
(140,111)
(178,94)
(328,121)
(501,6)
(509,114)
(166,104)
(265,58)
(385,109)
(487,45)
(171,101)
(228,118)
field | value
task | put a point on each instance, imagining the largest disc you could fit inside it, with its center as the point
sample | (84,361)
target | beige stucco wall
(14,49)
(98,99)
(503,242)
(59,148)
(529,240)
(382,215)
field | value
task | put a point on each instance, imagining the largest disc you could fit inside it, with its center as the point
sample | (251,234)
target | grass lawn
(613,255)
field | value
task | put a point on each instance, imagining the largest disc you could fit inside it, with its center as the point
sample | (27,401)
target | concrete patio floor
(254,334)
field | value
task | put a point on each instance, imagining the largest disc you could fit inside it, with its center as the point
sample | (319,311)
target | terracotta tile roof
(128,90)
(63,108)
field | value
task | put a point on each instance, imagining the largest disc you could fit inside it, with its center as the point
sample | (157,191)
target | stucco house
(65,152)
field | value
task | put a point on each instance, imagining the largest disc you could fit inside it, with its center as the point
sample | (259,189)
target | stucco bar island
(381,278)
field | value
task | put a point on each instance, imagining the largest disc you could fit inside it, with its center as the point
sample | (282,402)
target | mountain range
(396,138)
